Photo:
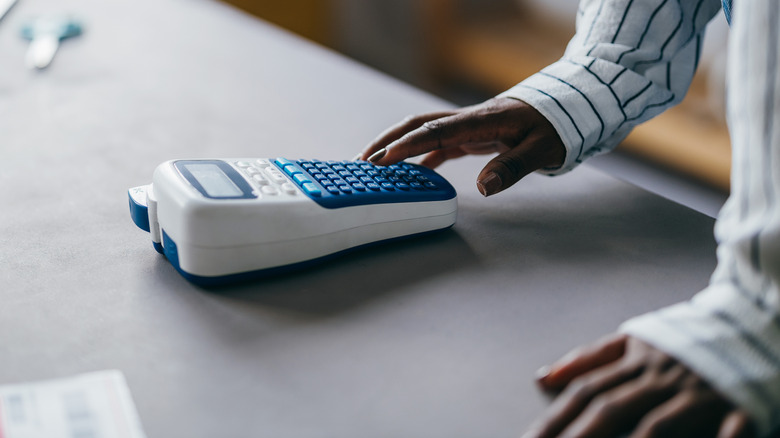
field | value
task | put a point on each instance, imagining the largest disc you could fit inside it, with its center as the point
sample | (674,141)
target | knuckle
(433,125)
(515,166)
(604,408)
(580,390)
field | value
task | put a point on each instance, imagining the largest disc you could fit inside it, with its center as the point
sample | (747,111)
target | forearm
(629,61)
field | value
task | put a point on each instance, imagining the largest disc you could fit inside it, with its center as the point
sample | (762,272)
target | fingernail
(489,185)
(376,156)
(542,372)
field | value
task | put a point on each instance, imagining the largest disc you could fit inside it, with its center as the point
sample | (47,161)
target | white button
(263,163)
(252,170)
(289,188)
(243,164)
(277,176)
(260,179)
(270,190)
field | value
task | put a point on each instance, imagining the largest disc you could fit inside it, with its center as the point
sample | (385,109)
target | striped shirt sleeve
(628,62)
(730,332)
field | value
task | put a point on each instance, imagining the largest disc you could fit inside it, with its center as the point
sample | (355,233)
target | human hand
(524,139)
(622,385)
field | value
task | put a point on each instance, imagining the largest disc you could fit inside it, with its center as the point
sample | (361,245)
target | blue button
(301,178)
(416,185)
(311,189)
(431,186)
(333,190)
(291,169)
(388,186)
(351,179)
(359,187)
(373,186)
(283,162)
(366,179)
(345,188)
(402,186)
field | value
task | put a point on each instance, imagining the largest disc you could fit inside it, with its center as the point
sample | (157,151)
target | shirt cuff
(727,338)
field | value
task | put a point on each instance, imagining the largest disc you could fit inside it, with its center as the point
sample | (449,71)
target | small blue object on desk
(45,34)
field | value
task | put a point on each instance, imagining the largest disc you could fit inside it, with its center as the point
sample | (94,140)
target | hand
(524,139)
(622,384)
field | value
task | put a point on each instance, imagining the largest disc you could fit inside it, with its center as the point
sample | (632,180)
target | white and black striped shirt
(629,61)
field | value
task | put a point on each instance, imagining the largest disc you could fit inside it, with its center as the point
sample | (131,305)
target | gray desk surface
(432,337)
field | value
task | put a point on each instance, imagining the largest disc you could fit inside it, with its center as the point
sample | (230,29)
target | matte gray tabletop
(432,337)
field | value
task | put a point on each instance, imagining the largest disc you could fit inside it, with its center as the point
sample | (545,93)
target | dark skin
(616,386)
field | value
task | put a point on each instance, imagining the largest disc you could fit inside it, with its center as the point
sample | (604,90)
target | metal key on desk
(45,35)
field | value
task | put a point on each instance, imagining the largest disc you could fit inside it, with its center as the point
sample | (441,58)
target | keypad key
(359,187)
(311,189)
(373,186)
(270,190)
(402,186)
(388,186)
(291,169)
(417,186)
(345,188)
(301,178)
(289,189)
(283,162)
(430,185)
(260,179)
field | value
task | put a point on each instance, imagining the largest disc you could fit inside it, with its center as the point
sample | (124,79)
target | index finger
(445,132)
(398,130)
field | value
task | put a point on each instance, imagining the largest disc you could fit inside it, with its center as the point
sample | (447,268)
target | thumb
(533,153)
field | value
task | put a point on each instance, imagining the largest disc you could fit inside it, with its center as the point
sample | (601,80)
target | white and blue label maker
(224,220)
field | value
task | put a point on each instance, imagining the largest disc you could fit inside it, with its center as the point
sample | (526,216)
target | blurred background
(469,50)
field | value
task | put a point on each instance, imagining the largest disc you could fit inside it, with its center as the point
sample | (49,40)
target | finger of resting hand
(446,132)
(577,397)
(692,412)
(398,130)
(583,360)
(436,158)
(621,408)
(737,424)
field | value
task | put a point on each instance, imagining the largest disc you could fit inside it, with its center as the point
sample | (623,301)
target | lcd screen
(213,180)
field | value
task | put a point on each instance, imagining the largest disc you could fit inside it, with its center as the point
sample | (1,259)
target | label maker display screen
(215,179)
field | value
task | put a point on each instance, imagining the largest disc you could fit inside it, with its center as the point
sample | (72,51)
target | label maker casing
(223,220)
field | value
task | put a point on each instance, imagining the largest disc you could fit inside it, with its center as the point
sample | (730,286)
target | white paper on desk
(93,405)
